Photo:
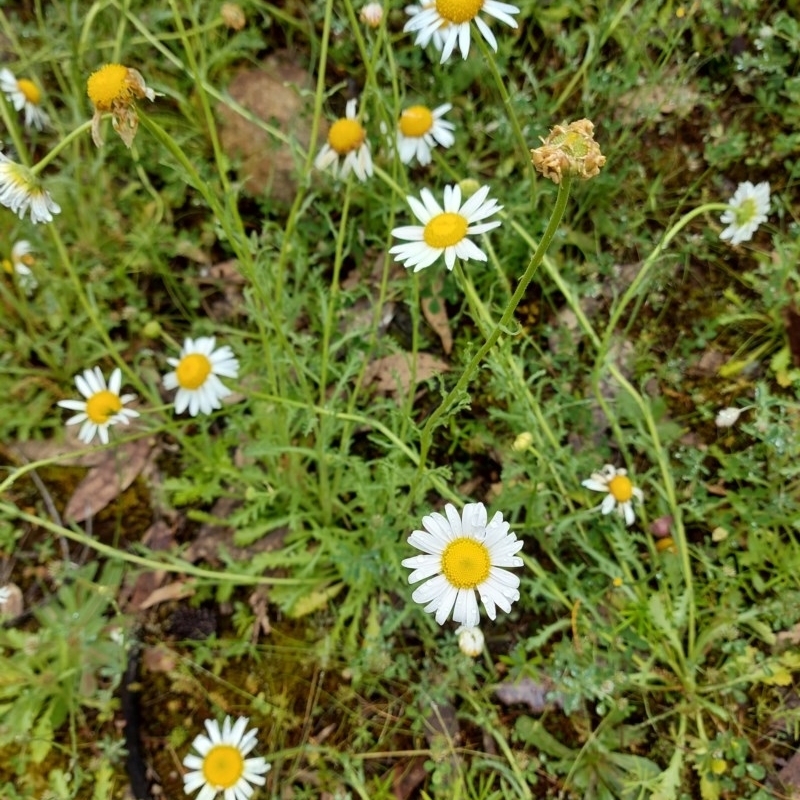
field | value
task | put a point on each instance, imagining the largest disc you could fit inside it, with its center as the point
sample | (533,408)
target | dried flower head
(569,150)
(115,88)
(233,16)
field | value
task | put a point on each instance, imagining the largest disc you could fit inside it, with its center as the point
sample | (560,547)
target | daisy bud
(470,641)
(569,150)
(523,441)
(728,416)
(371,14)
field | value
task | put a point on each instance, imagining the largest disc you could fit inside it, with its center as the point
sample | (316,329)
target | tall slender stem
(426,437)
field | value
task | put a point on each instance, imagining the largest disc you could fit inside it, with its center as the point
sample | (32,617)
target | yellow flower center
(223,766)
(30,90)
(457,11)
(621,488)
(445,230)
(102,405)
(8,266)
(465,563)
(416,121)
(346,135)
(107,85)
(192,371)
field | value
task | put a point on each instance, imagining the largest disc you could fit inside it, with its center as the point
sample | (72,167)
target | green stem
(68,139)
(426,437)
(183,568)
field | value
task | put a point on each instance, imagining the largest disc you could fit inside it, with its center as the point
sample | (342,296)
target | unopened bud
(371,14)
(470,641)
(523,441)
(728,416)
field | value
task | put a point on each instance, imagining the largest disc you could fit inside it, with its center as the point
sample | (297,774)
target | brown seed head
(569,150)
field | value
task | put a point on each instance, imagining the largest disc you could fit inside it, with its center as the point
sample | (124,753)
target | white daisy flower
(24,94)
(621,492)
(371,14)
(464,555)
(470,641)
(102,407)
(347,139)
(451,20)
(438,36)
(20,265)
(195,375)
(749,207)
(419,130)
(445,230)
(221,766)
(20,191)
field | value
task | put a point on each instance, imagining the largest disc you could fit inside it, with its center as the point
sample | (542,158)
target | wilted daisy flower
(445,230)
(20,191)
(470,641)
(115,88)
(748,208)
(347,139)
(24,94)
(571,150)
(233,16)
(195,375)
(5,594)
(464,555)
(452,18)
(20,265)
(221,766)
(419,130)
(371,14)
(621,491)
(102,407)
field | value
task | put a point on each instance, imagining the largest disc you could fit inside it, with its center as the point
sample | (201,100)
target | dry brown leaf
(61,449)
(392,374)
(258,604)
(273,93)
(108,479)
(790,775)
(435,311)
(407,777)
(176,590)
(528,691)
(159,659)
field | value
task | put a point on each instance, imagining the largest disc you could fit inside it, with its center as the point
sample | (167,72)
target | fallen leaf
(435,311)
(258,604)
(176,590)
(159,536)
(528,691)
(273,93)
(392,374)
(790,774)
(407,777)
(105,481)
(159,659)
